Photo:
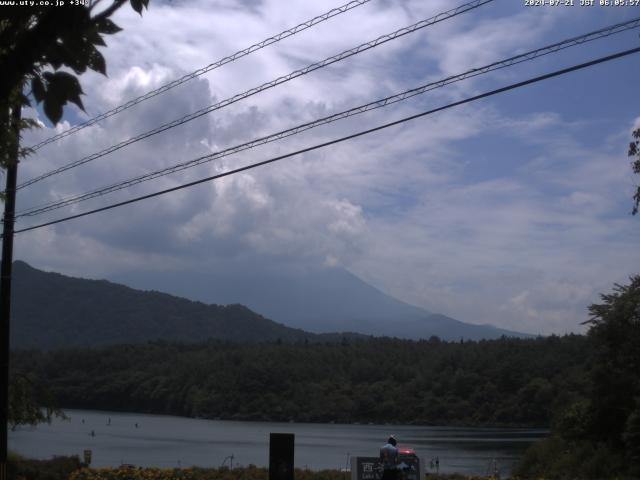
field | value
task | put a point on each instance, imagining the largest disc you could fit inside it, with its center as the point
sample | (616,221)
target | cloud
(499,212)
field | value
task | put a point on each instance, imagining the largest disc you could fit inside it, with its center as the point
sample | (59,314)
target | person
(389,459)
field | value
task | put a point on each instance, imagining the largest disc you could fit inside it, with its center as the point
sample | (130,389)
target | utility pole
(5,287)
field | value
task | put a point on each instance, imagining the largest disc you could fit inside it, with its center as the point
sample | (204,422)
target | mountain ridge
(51,310)
(318,300)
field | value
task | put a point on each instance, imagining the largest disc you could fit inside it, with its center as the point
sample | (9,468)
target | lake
(166,441)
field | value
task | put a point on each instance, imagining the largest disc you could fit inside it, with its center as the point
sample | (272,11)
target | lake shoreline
(72,468)
(254,419)
(117,438)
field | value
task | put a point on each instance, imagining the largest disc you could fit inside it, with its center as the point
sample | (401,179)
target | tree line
(598,436)
(507,381)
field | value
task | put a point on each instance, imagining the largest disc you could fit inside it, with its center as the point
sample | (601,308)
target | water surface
(166,441)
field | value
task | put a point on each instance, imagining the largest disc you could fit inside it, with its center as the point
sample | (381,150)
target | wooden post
(281,450)
(5,291)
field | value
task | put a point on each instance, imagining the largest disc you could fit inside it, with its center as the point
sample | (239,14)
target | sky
(513,210)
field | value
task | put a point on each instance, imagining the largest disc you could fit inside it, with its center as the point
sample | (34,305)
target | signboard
(370,468)
(366,468)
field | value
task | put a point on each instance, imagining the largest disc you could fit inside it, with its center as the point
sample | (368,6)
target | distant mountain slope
(316,300)
(50,311)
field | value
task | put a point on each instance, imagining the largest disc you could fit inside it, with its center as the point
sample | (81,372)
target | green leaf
(55,60)
(107,26)
(97,63)
(62,88)
(78,58)
(67,88)
(95,38)
(37,88)
(53,109)
(28,123)
(47,76)
(137,5)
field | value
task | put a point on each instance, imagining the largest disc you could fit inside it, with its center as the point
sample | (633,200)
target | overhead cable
(223,61)
(265,86)
(528,56)
(339,140)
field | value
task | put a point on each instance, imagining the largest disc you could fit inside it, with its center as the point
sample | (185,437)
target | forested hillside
(55,311)
(496,382)
(52,311)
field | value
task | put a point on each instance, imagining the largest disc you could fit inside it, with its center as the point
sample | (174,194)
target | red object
(406,451)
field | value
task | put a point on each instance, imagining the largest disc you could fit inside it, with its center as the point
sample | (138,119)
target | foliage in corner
(599,437)
(42,49)
(57,468)
(25,402)
(634,152)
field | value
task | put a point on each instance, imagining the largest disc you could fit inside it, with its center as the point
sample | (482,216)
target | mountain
(314,299)
(51,311)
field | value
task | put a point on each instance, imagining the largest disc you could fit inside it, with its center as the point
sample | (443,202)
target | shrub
(58,468)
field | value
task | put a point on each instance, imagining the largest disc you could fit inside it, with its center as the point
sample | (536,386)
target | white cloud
(526,244)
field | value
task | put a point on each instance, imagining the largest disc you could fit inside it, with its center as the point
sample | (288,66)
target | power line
(265,86)
(223,61)
(528,56)
(342,139)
